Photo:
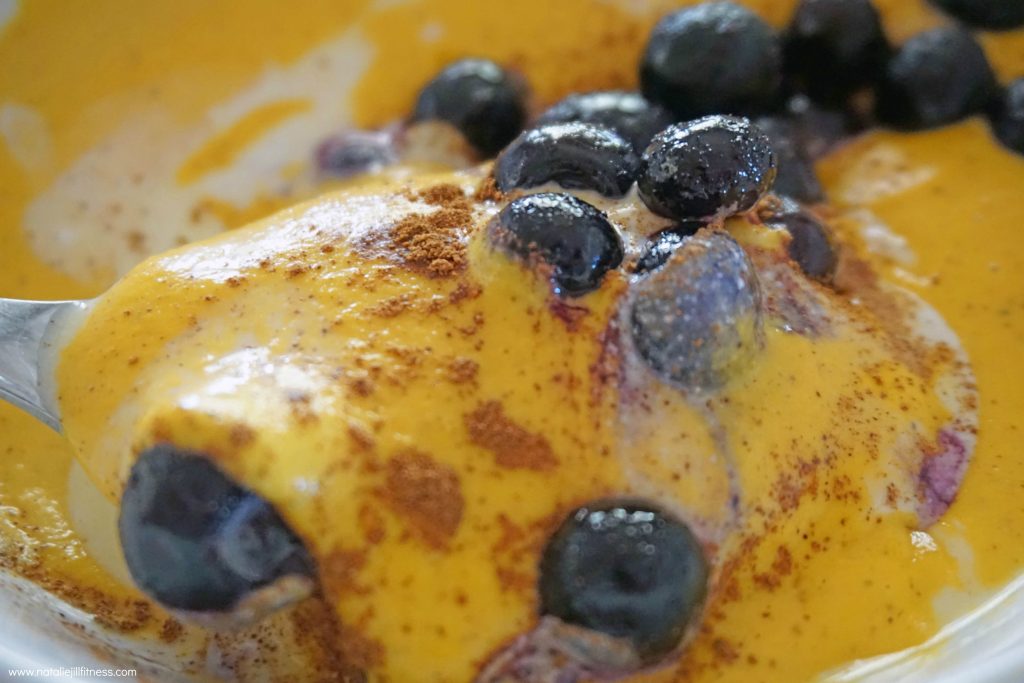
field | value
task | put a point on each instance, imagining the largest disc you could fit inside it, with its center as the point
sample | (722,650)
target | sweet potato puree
(423,416)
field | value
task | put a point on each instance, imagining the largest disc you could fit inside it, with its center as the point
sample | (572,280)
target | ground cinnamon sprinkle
(371,523)
(116,613)
(338,653)
(856,278)
(513,547)
(125,617)
(340,569)
(171,630)
(362,441)
(466,289)
(512,581)
(570,314)
(432,242)
(426,495)
(241,435)
(782,566)
(463,370)
(359,651)
(389,308)
(445,194)
(488,191)
(512,445)
(359,383)
(725,650)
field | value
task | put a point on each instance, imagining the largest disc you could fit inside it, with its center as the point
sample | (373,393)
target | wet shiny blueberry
(795,176)
(810,245)
(937,77)
(626,569)
(990,14)
(697,319)
(579,156)
(713,58)
(1008,116)
(833,47)
(195,540)
(479,98)
(715,166)
(662,244)
(565,234)
(629,114)
(355,153)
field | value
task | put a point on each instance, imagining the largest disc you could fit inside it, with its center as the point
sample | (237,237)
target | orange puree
(327,376)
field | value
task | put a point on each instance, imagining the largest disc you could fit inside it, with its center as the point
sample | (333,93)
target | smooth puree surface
(937,213)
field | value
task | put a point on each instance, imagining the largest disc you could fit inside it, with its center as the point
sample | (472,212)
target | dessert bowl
(434,407)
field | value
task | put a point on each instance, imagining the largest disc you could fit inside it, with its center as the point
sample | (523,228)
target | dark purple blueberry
(1008,116)
(697,319)
(354,153)
(627,113)
(195,540)
(713,58)
(712,167)
(481,99)
(816,129)
(834,47)
(795,176)
(938,77)
(576,156)
(997,15)
(810,244)
(573,238)
(661,245)
(626,569)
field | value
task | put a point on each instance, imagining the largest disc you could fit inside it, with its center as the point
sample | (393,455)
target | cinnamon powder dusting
(359,651)
(393,307)
(444,194)
(570,314)
(432,242)
(341,652)
(171,630)
(463,370)
(488,191)
(512,445)
(113,612)
(426,494)
(856,278)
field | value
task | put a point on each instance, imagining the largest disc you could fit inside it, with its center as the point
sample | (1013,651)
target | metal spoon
(31,332)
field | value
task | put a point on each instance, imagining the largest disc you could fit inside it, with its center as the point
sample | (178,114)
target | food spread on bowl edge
(667,345)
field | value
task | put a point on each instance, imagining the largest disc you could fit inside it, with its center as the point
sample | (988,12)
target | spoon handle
(28,331)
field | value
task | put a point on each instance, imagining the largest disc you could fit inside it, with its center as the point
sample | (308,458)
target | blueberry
(938,77)
(570,236)
(195,540)
(817,129)
(712,167)
(697,319)
(997,15)
(795,176)
(355,153)
(810,244)
(627,113)
(575,155)
(714,58)
(662,244)
(833,47)
(478,97)
(626,569)
(1008,116)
